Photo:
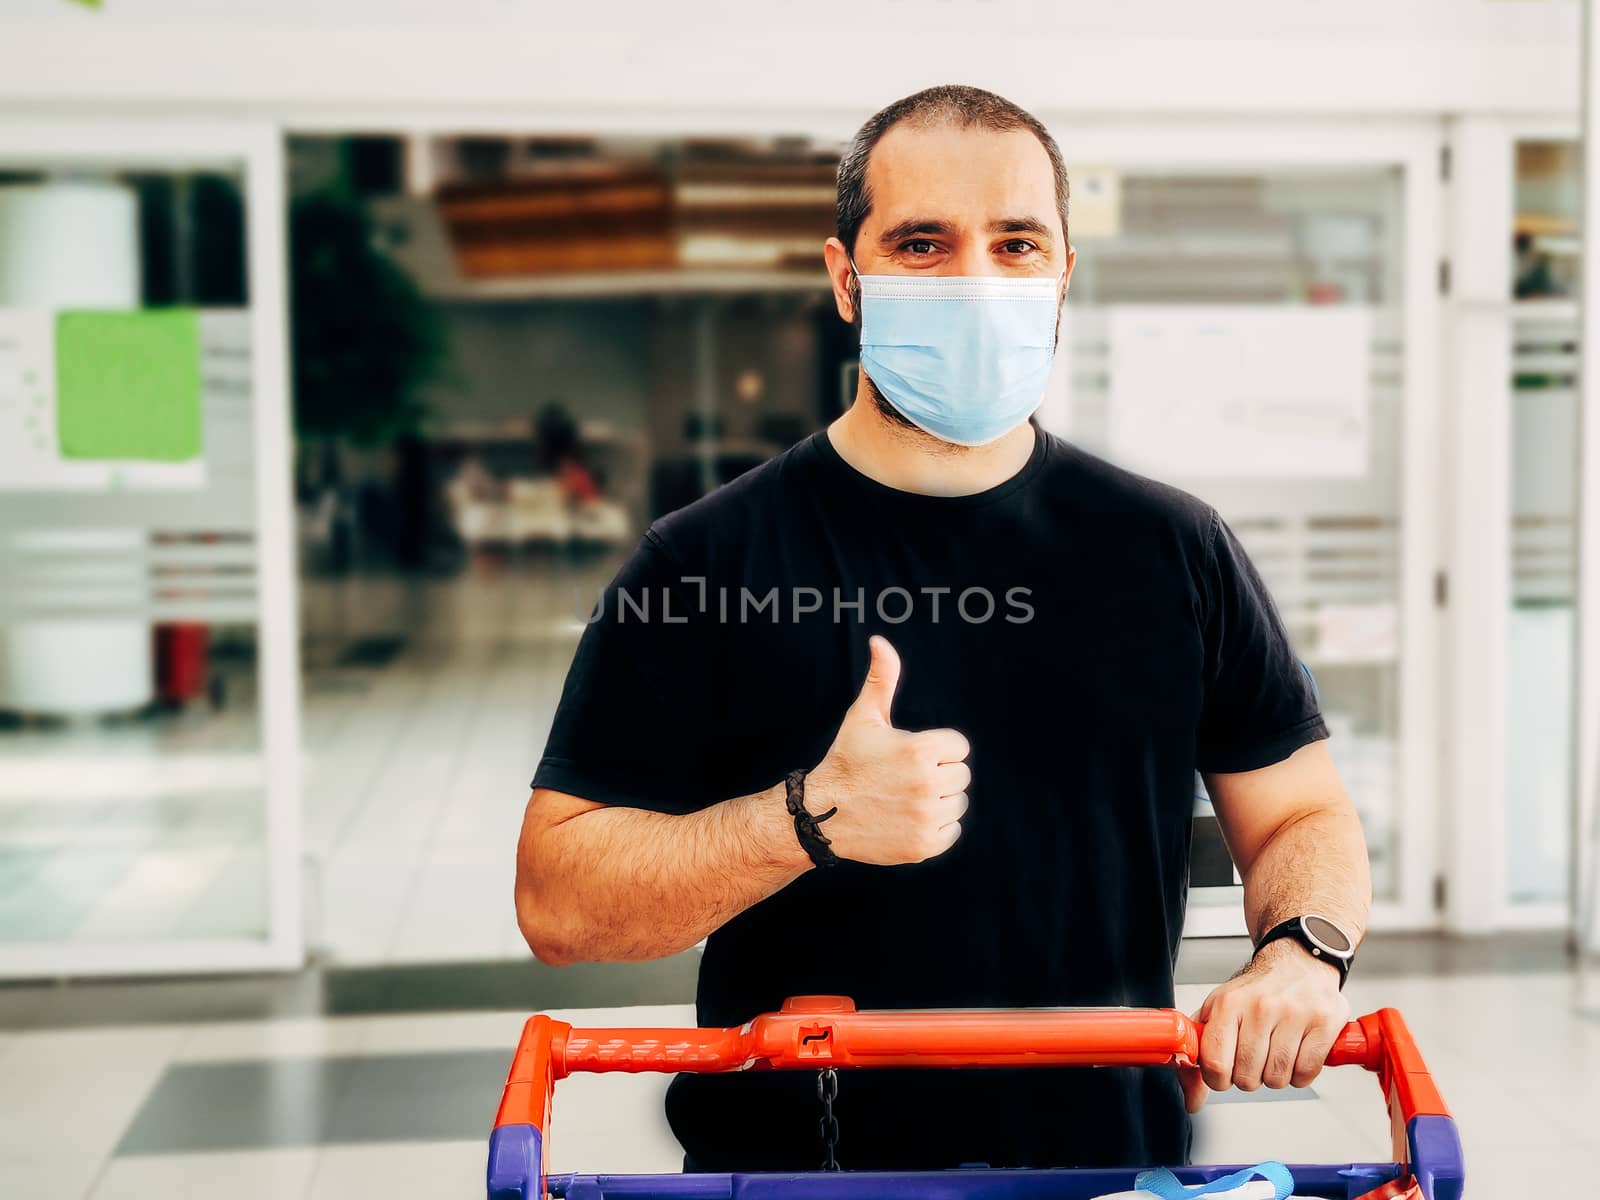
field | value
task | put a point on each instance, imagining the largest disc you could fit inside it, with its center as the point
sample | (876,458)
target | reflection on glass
(1544,244)
(1544,429)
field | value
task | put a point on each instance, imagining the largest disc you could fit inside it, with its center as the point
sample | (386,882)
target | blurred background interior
(345,351)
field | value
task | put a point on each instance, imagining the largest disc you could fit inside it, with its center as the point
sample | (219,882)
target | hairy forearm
(615,884)
(1314,863)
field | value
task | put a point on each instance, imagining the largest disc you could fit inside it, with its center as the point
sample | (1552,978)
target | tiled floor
(399,1105)
(377,1072)
(416,788)
(426,703)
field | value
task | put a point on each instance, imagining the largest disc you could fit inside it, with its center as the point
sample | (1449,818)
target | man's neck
(909,460)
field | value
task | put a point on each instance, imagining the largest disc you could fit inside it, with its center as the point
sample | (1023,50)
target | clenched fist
(900,795)
(1273,1023)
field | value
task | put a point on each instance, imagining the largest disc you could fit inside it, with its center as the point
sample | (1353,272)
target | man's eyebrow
(914,225)
(1020,225)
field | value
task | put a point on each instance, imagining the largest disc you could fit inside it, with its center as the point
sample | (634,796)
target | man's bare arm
(1297,842)
(603,883)
(610,883)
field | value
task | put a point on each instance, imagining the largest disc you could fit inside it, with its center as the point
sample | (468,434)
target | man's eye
(1020,247)
(918,247)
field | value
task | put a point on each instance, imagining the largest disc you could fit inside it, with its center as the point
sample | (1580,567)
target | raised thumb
(883,676)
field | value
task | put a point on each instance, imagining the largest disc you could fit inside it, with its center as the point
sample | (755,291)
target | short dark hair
(951,103)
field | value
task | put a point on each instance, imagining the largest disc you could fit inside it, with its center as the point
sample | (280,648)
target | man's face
(952,201)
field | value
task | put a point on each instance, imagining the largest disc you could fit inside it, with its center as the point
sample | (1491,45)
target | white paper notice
(1240,391)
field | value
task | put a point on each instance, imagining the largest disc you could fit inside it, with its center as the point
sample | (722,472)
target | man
(993,791)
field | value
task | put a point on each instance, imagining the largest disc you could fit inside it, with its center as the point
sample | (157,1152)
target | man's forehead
(962,174)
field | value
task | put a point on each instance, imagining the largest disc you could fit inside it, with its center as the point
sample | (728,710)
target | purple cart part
(514,1162)
(1436,1157)
(1334,1183)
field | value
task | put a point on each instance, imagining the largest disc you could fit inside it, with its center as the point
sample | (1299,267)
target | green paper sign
(128,384)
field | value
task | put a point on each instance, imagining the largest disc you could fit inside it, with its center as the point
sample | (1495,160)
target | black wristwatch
(1321,938)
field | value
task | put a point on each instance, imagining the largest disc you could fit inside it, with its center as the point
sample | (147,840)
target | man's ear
(837,259)
(1066,275)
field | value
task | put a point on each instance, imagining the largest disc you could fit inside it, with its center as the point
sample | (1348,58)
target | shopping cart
(825,1033)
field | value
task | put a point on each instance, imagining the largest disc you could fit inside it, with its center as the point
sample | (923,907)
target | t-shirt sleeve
(635,706)
(1260,702)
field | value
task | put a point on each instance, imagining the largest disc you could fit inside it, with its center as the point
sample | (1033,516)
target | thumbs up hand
(900,795)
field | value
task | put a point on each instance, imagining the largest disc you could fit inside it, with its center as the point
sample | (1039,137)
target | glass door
(1252,319)
(1511,347)
(1537,819)
(149,765)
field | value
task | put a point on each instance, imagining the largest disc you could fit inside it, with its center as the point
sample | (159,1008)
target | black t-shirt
(1096,635)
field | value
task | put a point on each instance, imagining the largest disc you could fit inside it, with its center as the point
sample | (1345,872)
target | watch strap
(1293,929)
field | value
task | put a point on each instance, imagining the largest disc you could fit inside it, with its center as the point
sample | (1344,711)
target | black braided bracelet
(805,825)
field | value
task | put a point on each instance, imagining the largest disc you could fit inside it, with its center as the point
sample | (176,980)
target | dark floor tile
(525,984)
(350,991)
(239,1105)
(311,1101)
(1387,955)
(421,1096)
(88,1002)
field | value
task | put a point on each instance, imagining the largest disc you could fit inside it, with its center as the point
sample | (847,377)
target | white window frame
(1585,910)
(256,148)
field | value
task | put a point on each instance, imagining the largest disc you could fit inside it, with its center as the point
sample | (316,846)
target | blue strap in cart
(1164,1185)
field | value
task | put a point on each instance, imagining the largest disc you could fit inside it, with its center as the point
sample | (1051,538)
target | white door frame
(1480,319)
(256,147)
(1413,145)
(1585,911)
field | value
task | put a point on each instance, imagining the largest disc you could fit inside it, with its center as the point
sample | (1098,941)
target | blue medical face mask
(963,357)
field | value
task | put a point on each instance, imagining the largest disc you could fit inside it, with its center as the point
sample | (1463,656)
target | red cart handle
(811,1033)
(818,1032)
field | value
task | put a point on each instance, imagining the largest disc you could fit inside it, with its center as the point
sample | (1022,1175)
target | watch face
(1326,933)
